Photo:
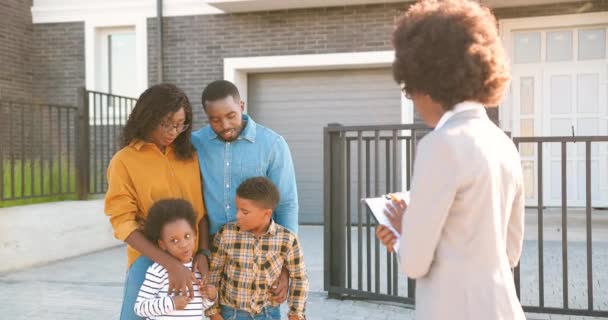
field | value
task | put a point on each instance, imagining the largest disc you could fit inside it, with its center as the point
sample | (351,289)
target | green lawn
(34,181)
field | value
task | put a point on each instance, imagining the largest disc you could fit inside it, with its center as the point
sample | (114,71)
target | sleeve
(282,174)
(434,186)
(148,304)
(120,200)
(298,288)
(209,303)
(216,268)
(515,227)
(198,201)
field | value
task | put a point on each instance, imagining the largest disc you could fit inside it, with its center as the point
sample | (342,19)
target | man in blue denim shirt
(233,148)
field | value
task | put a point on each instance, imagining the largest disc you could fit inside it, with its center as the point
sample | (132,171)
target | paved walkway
(90,287)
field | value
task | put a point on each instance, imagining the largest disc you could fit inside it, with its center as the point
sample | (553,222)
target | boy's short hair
(219,89)
(261,190)
(164,212)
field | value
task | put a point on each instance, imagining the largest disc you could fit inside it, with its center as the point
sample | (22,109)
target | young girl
(171,225)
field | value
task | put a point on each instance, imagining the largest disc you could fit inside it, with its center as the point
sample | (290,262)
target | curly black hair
(451,51)
(261,190)
(166,211)
(154,104)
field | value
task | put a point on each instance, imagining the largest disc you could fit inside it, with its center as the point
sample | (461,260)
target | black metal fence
(561,144)
(38,153)
(364,161)
(59,152)
(107,115)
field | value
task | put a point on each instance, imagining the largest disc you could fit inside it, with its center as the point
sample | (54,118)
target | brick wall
(195,46)
(58,62)
(15,50)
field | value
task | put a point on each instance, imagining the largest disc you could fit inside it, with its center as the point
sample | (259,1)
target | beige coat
(463,229)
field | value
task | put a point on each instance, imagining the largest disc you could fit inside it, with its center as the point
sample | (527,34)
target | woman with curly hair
(462,231)
(157,161)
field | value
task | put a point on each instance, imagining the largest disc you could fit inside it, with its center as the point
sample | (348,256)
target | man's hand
(216,316)
(180,302)
(200,263)
(292,317)
(181,280)
(279,287)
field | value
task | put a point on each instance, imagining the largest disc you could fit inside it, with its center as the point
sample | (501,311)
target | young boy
(249,255)
(171,224)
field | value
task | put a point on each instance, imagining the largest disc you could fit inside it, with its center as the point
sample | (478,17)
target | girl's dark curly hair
(451,51)
(164,212)
(154,104)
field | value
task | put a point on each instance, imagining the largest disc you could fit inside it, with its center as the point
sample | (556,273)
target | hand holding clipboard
(388,211)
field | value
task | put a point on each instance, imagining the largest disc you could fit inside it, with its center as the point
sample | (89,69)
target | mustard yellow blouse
(139,175)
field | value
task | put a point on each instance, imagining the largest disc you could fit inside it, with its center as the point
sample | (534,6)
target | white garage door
(559,89)
(298,105)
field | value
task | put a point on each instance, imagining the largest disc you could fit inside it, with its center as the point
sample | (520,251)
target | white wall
(42,233)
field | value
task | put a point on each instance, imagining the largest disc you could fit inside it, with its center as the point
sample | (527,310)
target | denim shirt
(258,151)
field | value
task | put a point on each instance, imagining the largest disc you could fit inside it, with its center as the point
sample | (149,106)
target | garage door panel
(322,104)
(298,105)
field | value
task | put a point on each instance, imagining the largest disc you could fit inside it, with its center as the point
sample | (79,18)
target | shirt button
(227,206)
(227,186)
(227,163)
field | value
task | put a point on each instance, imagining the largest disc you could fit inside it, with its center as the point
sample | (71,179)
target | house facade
(303,64)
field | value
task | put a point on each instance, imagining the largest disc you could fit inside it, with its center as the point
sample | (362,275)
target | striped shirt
(245,267)
(154,303)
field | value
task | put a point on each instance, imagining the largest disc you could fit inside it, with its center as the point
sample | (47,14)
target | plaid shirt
(245,267)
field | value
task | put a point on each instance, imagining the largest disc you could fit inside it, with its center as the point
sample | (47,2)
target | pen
(392,196)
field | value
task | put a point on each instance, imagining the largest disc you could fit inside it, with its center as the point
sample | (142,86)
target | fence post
(83,145)
(335,215)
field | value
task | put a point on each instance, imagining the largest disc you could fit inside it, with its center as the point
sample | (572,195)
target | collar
(248,132)
(138,144)
(458,108)
(272,229)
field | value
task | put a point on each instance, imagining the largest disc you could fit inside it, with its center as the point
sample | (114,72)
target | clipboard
(376,207)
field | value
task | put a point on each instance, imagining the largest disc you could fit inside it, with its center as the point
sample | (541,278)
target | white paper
(377,205)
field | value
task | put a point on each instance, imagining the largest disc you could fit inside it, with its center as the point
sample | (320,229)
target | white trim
(508,26)
(54,11)
(236,69)
(141,48)
(235,6)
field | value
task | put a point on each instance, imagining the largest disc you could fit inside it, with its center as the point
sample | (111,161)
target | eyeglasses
(169,127)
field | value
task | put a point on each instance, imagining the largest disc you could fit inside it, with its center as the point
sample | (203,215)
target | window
(115,73)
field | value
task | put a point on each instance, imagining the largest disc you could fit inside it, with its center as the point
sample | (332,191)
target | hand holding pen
(394,211)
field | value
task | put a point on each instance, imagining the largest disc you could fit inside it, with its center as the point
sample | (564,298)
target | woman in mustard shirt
(157,161)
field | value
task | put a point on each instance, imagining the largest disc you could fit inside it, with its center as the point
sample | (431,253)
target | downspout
(159,20)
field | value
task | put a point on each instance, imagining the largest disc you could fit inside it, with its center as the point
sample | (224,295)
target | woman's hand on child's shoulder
(180,302)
